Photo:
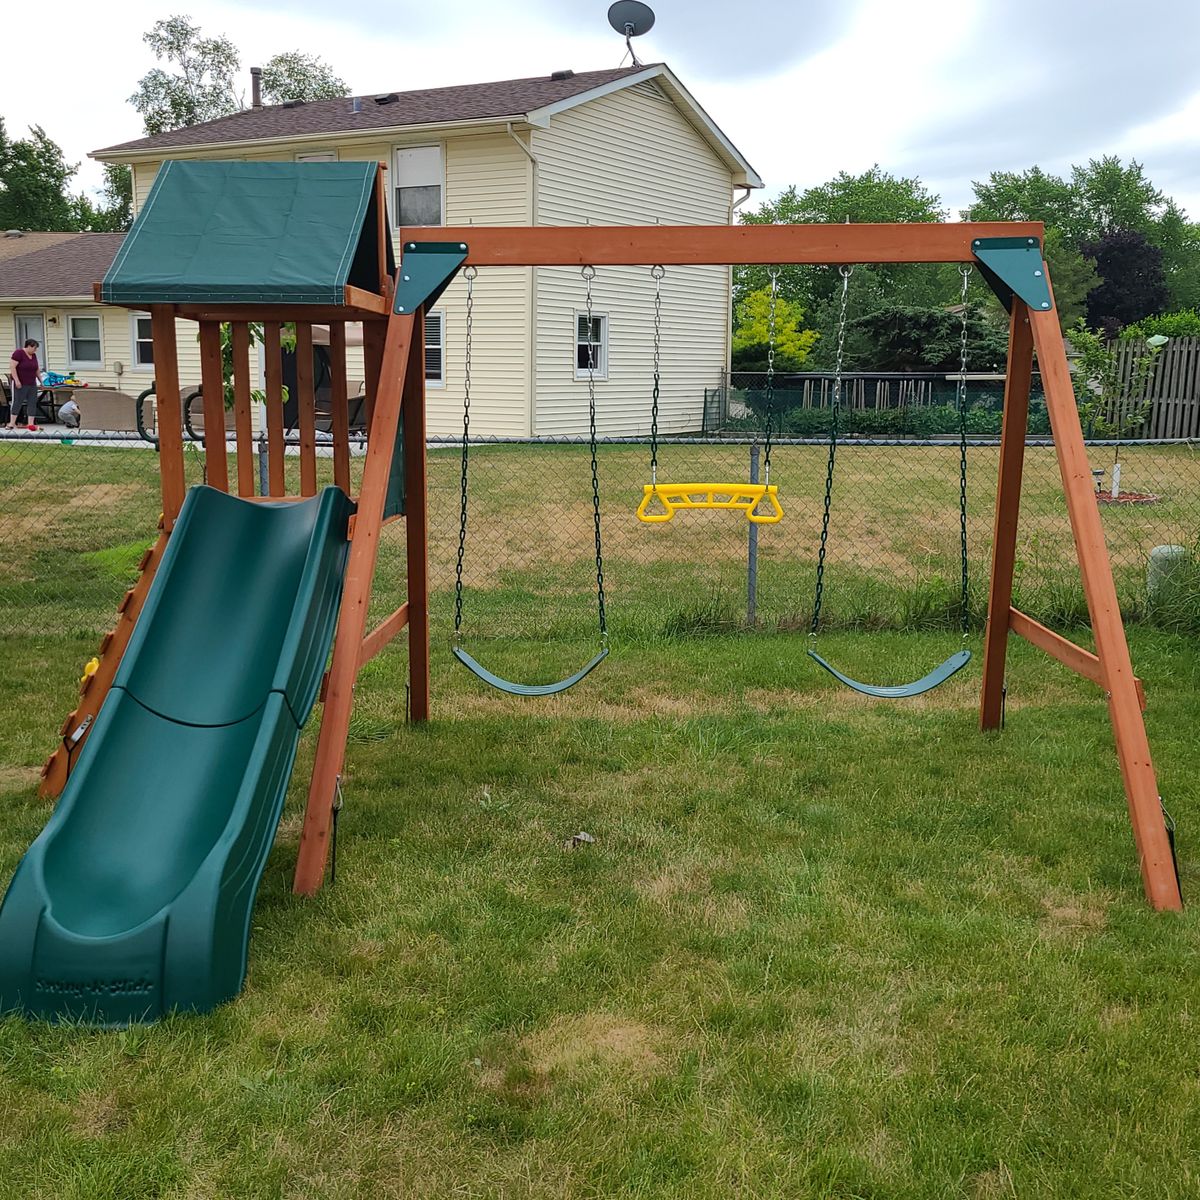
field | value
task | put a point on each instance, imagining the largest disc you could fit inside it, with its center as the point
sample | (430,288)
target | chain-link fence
(76,513)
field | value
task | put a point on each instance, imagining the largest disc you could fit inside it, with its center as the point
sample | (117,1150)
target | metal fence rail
(76,514)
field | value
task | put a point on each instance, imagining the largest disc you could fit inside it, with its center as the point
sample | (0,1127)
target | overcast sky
(948,90)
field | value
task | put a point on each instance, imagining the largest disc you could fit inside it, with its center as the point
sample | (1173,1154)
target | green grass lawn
(74,518)
(821,946)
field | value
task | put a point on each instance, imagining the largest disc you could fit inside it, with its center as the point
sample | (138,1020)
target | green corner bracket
(425,270)
(1013,266)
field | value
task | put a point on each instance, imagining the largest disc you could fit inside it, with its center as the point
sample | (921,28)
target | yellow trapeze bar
(745,497)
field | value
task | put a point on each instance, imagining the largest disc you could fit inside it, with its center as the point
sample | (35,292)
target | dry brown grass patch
(16,778)
(97,1114)
(1076,913)
(570,1042)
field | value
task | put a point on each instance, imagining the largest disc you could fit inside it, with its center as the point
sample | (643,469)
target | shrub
(1185,323)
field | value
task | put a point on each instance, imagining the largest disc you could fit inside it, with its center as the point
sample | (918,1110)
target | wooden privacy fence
(1172,388)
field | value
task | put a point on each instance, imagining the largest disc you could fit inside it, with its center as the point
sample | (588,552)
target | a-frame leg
(1133,748)
(1008,505)
(416,530)
(356,597)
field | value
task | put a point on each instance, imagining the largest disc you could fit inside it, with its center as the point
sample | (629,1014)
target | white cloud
(943,89)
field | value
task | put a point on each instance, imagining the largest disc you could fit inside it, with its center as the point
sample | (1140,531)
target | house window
(143,343)
(419,185)
(435,348)
(84,341)
(318,156)
(591,345)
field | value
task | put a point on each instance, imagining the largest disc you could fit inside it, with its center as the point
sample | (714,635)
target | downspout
(734,205)
(531,348)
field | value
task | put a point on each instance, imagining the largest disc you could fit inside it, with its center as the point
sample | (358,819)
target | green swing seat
(900,691)
(472,664)
(526,689)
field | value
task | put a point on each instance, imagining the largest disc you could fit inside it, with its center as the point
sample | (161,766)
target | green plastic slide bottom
(135,900)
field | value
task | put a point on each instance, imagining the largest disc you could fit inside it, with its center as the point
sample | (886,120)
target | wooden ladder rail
(95,687)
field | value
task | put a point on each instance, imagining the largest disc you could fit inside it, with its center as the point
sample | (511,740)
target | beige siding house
(46,293)
(623,147)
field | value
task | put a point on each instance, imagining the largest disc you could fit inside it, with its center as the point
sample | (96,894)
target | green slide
(135,899)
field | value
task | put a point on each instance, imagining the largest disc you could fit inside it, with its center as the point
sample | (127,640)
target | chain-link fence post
(264,485)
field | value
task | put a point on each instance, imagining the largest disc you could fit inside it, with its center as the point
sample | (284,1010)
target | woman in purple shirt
(24,372)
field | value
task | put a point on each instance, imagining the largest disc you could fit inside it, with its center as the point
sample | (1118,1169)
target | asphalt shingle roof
(66,269)
(431,106)
(27,242)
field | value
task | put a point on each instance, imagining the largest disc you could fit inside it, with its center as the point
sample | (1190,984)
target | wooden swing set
(1007,254)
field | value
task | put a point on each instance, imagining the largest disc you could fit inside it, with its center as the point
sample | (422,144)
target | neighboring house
(46,293)
(621,147)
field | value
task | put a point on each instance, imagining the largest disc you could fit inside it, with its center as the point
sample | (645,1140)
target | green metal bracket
(425,270)
(1013,266)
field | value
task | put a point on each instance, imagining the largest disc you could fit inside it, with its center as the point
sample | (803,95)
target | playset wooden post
(340,401)
(1015,422)
(356,598)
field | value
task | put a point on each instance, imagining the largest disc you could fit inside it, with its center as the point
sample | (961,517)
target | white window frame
(440,147)
(85,362)
(134,363)
(440,380)
(318,156)
(600,374)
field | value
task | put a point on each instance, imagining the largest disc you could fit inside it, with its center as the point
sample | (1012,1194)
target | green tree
(1134,284)
(201,85)
(1184,323)
(1101,387)
(297,76)
(873,196)
(115,211)
(33,184)
(1179,240)
(1033,195)
(200,82)
(751,337)
(1072,276)
(1113,196)
(900,337)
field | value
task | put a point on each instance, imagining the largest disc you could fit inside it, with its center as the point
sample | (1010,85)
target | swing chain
(656,273)
(835,406)
(589,273)
(770,390)
(469,274)
(965,600)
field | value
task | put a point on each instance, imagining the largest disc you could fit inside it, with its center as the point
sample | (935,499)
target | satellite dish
(631,18)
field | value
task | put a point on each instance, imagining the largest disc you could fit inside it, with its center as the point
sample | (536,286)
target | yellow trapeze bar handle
(745,497)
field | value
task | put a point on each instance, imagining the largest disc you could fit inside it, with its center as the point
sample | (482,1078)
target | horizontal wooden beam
(383,633)
(675,245)
(320,314)
(369,301)
(360,305)
(1082,662)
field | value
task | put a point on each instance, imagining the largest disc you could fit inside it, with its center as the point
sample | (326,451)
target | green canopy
(251,233)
